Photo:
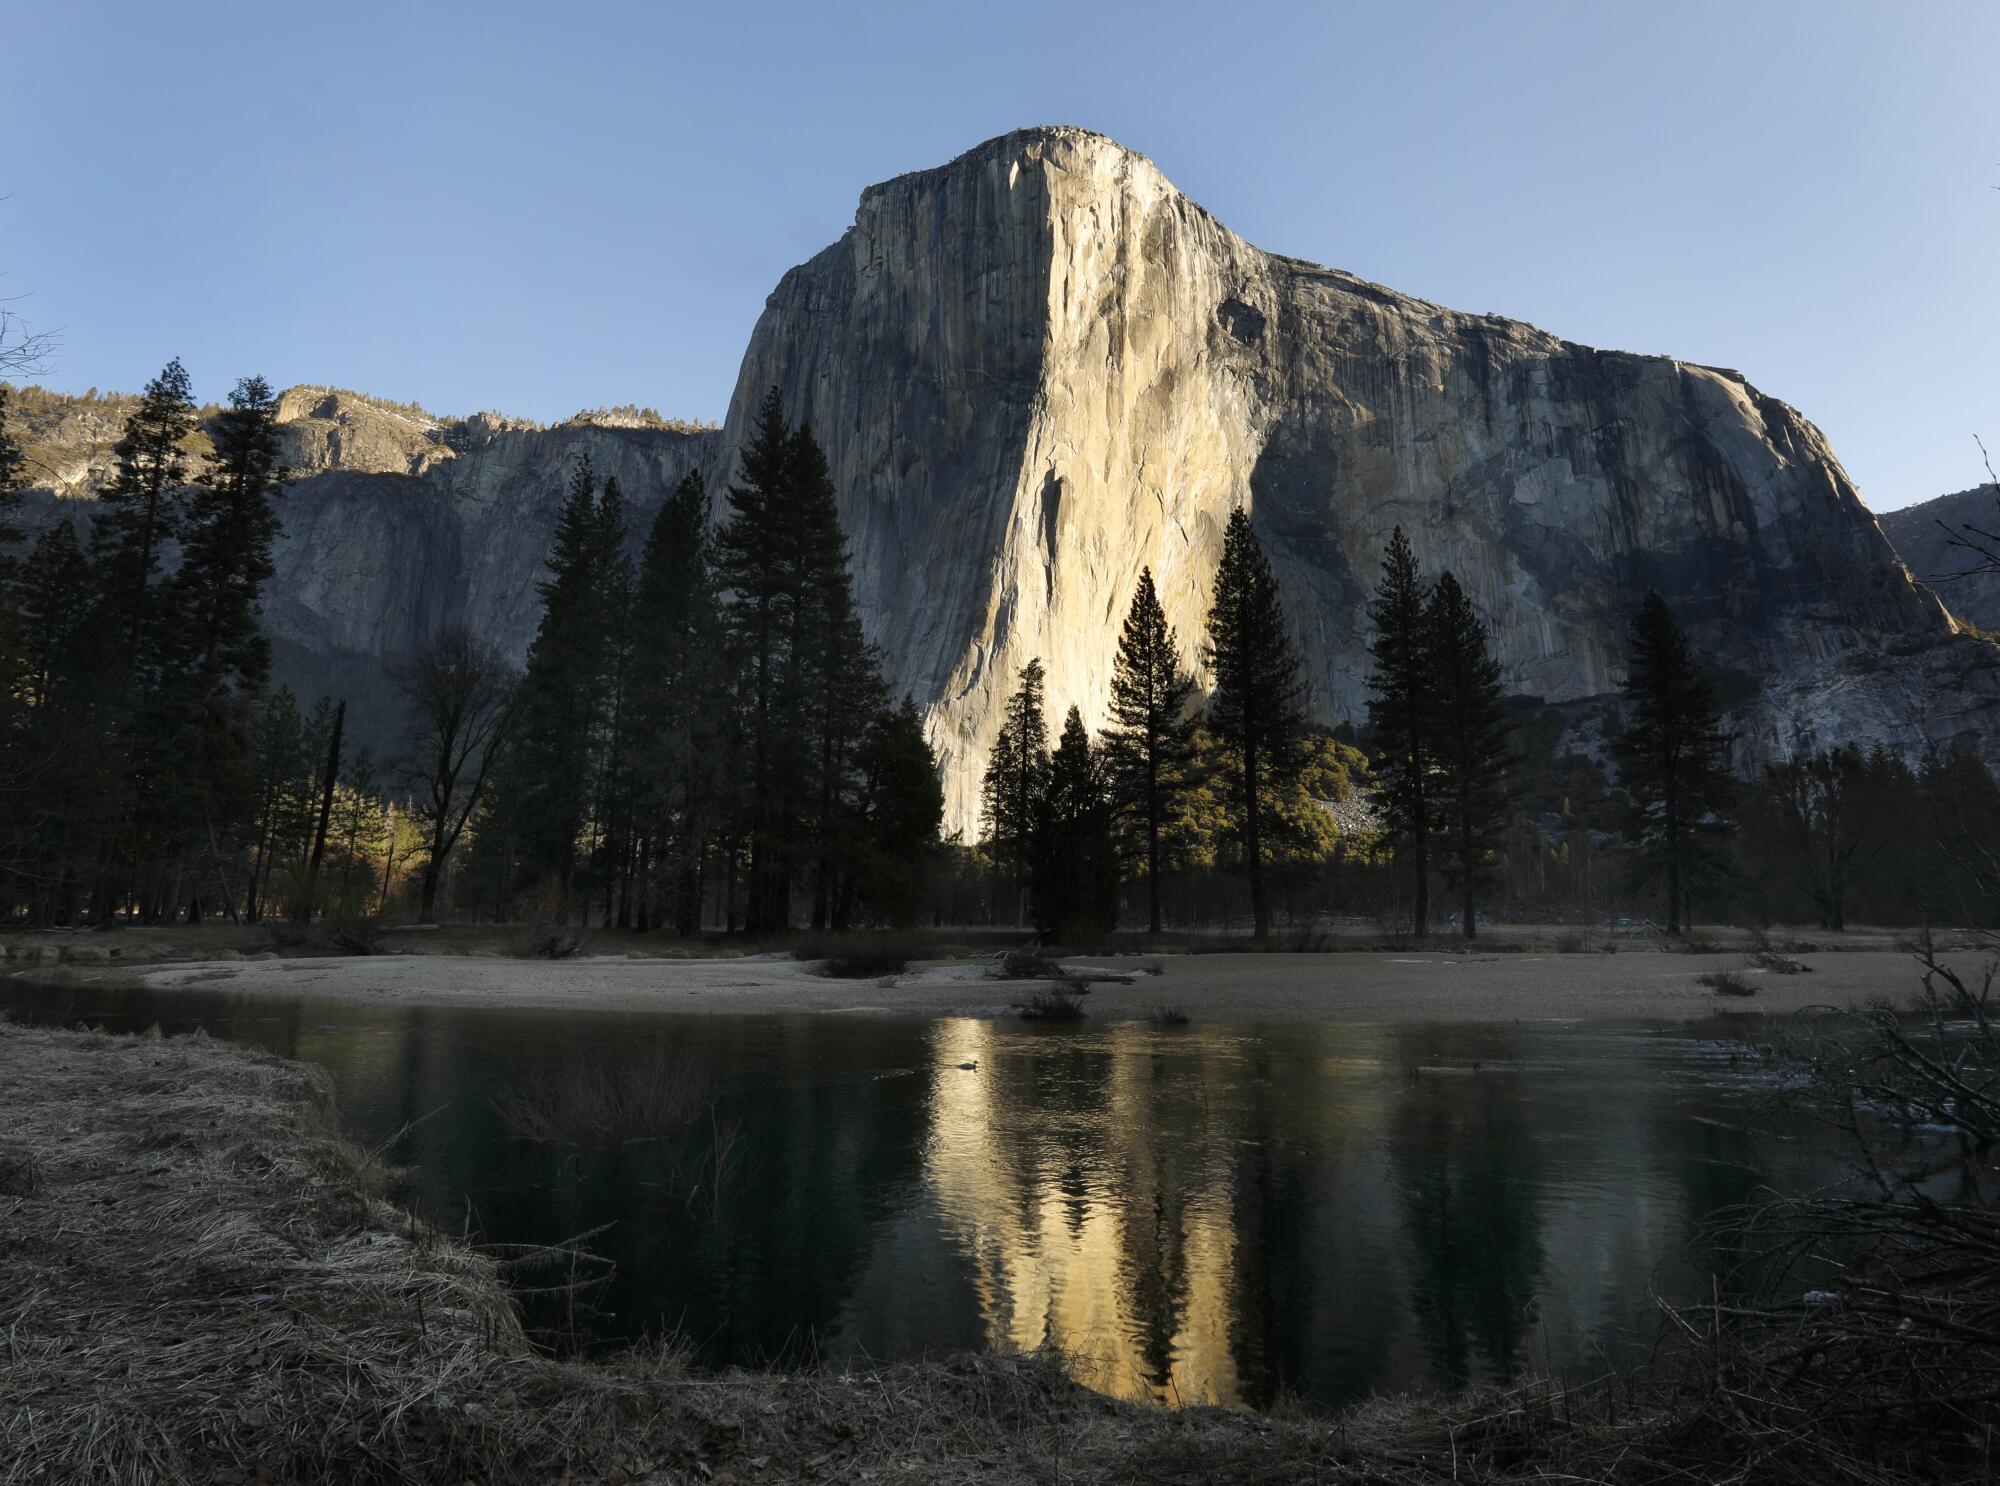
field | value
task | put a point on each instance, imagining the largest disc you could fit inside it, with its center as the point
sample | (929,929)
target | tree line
(1469,789)
(703,736)
(136,669)
(1060,822)
(702,739)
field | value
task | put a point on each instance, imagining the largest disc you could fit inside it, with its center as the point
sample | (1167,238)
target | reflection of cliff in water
(1215,1216)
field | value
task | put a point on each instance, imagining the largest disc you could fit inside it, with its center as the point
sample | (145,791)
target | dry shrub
(1053,1006)
(1029,964)
(1726,983)
(595,1099)
(857,956)
(549,942)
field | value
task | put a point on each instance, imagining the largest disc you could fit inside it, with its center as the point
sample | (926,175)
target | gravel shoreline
(1411,986)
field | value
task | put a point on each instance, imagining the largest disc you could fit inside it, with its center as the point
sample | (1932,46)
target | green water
(1218,1212)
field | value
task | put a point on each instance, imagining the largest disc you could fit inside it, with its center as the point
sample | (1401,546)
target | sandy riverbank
(1641,985)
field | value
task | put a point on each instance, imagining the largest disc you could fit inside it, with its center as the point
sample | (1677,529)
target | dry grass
(595,1100)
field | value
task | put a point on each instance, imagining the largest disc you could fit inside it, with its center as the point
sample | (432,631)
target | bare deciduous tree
(23,353)
(460,693)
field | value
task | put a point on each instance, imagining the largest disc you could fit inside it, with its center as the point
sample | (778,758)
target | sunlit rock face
(1040,367)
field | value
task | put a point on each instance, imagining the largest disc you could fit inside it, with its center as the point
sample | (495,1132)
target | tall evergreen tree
(611,763)
(1016,783)
(679,727)
(226,549)
(1401,698)
(52,601)
(901,806)
(1076,869)
(806,680)
(844,678)
(757,564)
(549,772)
(1150,743)
(1473,790)
(1672,759)
(1254,709)
(222,655)
(141,510)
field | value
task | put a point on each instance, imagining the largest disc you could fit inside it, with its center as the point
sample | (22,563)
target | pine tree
(901,805)
(226,551)
(610,764)
(757,565)
(1473,790)
(140,511)
(279,754)
(1151,741)
(222,655)
(806,681)
(52,755)
(1401,708)
(677,694)
(548,778)
(844,686)
(1672,762)
(1016,784)
(1076,868)
(53,604)
(1254,708)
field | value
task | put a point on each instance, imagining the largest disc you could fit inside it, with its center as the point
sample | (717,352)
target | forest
(701,742)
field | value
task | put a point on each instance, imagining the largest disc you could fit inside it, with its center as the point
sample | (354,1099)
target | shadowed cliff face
(394,525)
(1040,367)
(1953,572)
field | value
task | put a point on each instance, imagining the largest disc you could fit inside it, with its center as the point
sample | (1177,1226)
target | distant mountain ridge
(1925,547)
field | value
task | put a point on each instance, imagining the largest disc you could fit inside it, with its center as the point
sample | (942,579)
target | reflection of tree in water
(1469,1180)
(1163,1142)
(1720,1170)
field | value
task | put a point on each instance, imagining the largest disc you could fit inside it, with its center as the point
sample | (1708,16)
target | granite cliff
(1922,541)
(1039,367)
(395,523)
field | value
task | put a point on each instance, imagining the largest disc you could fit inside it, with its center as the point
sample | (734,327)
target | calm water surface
(1207,1213)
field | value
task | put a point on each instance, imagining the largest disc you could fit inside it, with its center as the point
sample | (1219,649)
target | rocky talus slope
(1040,367)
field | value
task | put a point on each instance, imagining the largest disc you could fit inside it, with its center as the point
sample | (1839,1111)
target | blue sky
(543,208)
